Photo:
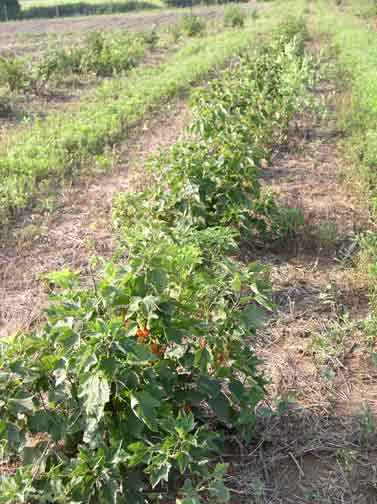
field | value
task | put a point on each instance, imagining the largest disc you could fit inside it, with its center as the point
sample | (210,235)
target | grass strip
(356,49)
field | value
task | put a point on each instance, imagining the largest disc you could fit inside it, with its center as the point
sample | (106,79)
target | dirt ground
(17,36)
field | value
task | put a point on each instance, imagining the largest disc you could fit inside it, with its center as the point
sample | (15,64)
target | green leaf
(47,421)
(21,405)
(189,500)
(139,355)
(32,454)
(219,492)
(252,317)
(64,278)
(139,453)
(210,386)
(237,283)
(183,460)
(96,393)
(221,407)
(237,389)
(184,424)
(220,470)
(160,474)
(143,405)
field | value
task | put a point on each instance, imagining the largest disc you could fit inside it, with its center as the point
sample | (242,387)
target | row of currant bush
(101,54)
(128,391)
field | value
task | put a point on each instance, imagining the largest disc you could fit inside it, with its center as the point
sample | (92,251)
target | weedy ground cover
(60,145)
(128,390)
(356,49)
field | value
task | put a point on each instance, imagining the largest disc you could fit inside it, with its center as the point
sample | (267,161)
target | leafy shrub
(13,73)
(193,25)
(130,385)
(234,17)
(293,28)
(58,146)
(213,177)
(150,38)
(58,62)
(101,54)
(132,378)
(9,9)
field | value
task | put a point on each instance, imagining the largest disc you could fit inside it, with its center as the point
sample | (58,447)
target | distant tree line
(9,9)
(191,3)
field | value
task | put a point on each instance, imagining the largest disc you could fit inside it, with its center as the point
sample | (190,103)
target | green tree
(9,9)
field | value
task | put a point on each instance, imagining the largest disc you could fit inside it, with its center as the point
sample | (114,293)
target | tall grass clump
(234,17)
(192,25)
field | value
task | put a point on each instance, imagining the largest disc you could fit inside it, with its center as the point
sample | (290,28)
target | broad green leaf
(252,317)
(64,278)
(183,460)
(139,453)
(219,492)
(221,407)
(143,405)
(21,405)
(237,283)
(160,474)
(96,394)
(210,386)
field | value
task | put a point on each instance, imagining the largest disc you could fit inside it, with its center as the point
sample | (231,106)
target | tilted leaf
(96,394)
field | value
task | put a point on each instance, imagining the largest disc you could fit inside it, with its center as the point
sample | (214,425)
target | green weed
(234,16)
(14,74)
(192,25)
